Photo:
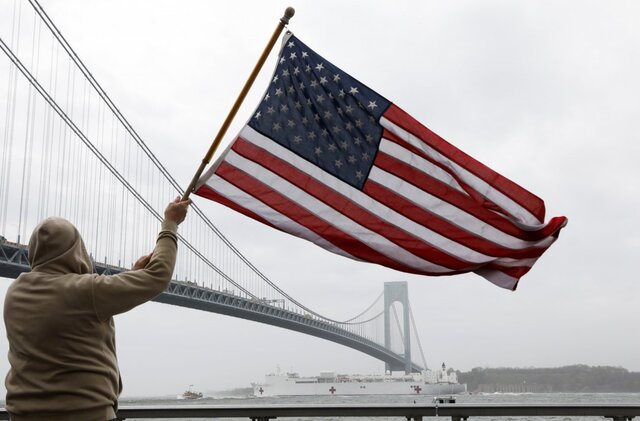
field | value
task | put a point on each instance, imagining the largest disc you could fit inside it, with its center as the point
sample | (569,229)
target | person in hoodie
(59,322)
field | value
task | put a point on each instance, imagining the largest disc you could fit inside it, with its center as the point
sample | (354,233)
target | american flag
(326,158)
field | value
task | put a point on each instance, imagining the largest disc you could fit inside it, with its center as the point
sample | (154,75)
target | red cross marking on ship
(332,390)
(417,389)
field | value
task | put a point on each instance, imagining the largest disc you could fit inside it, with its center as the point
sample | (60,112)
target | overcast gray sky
(545,92)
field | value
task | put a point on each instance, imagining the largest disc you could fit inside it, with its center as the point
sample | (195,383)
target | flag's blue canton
(322,114)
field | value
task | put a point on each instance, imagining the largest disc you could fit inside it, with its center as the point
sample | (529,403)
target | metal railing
(457,412)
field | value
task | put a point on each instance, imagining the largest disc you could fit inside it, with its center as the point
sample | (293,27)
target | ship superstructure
(428,382)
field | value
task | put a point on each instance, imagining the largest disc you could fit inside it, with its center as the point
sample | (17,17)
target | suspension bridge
(68,151)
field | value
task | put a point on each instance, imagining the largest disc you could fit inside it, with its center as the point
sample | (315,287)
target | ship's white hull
(355,388)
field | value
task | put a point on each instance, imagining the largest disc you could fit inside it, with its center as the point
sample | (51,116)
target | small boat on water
(190,394)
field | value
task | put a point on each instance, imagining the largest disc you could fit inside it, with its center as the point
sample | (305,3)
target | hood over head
(56,247)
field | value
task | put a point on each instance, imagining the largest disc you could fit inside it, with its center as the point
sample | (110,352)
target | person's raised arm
(176,212)
(149,276)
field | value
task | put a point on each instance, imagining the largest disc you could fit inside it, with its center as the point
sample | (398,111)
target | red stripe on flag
(433,222)
(350,209)
(480,200)
(436,188)
(293,211)
(524,198)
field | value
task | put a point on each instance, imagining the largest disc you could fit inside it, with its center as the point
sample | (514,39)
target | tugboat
(190,394)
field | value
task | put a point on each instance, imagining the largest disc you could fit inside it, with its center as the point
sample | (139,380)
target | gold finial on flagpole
(284,20)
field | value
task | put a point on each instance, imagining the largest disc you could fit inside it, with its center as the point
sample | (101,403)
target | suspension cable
(395,315)
(413,323)
(363,321)
(367,309)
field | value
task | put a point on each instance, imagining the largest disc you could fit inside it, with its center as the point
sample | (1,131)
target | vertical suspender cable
(413,323)
(46,162)
(66,141)
(11,109)
(125,200)
(59,151)
(68,158)
(72,189)
(33,129)
(24,164)
(148,231)
(77,168)
(397,319)
(86,167)
(77,181)
(111,200)
(99,170)
(23,212)
(51,202)
(26,152)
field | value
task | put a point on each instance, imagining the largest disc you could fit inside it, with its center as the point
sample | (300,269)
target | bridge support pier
(397,292)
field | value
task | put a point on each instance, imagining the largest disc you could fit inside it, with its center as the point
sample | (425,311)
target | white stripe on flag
(513,263)
(451,213)
(496,277)
(419,163)
(279,220)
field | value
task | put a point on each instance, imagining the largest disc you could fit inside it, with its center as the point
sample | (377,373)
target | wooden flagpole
(284,20)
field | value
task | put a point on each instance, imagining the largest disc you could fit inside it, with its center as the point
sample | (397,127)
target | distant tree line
(573,378)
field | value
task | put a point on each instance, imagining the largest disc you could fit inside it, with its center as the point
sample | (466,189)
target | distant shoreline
(568,379)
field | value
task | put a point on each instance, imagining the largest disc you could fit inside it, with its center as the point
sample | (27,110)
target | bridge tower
(397,292)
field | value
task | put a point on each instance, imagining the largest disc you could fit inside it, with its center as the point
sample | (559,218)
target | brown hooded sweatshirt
(60,328)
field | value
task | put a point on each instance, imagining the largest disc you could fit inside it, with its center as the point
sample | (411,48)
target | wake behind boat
(428,382)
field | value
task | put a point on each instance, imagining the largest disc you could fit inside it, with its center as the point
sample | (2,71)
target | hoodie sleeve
(115,294)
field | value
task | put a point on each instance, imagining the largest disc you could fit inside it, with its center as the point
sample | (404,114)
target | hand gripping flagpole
(284,20)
